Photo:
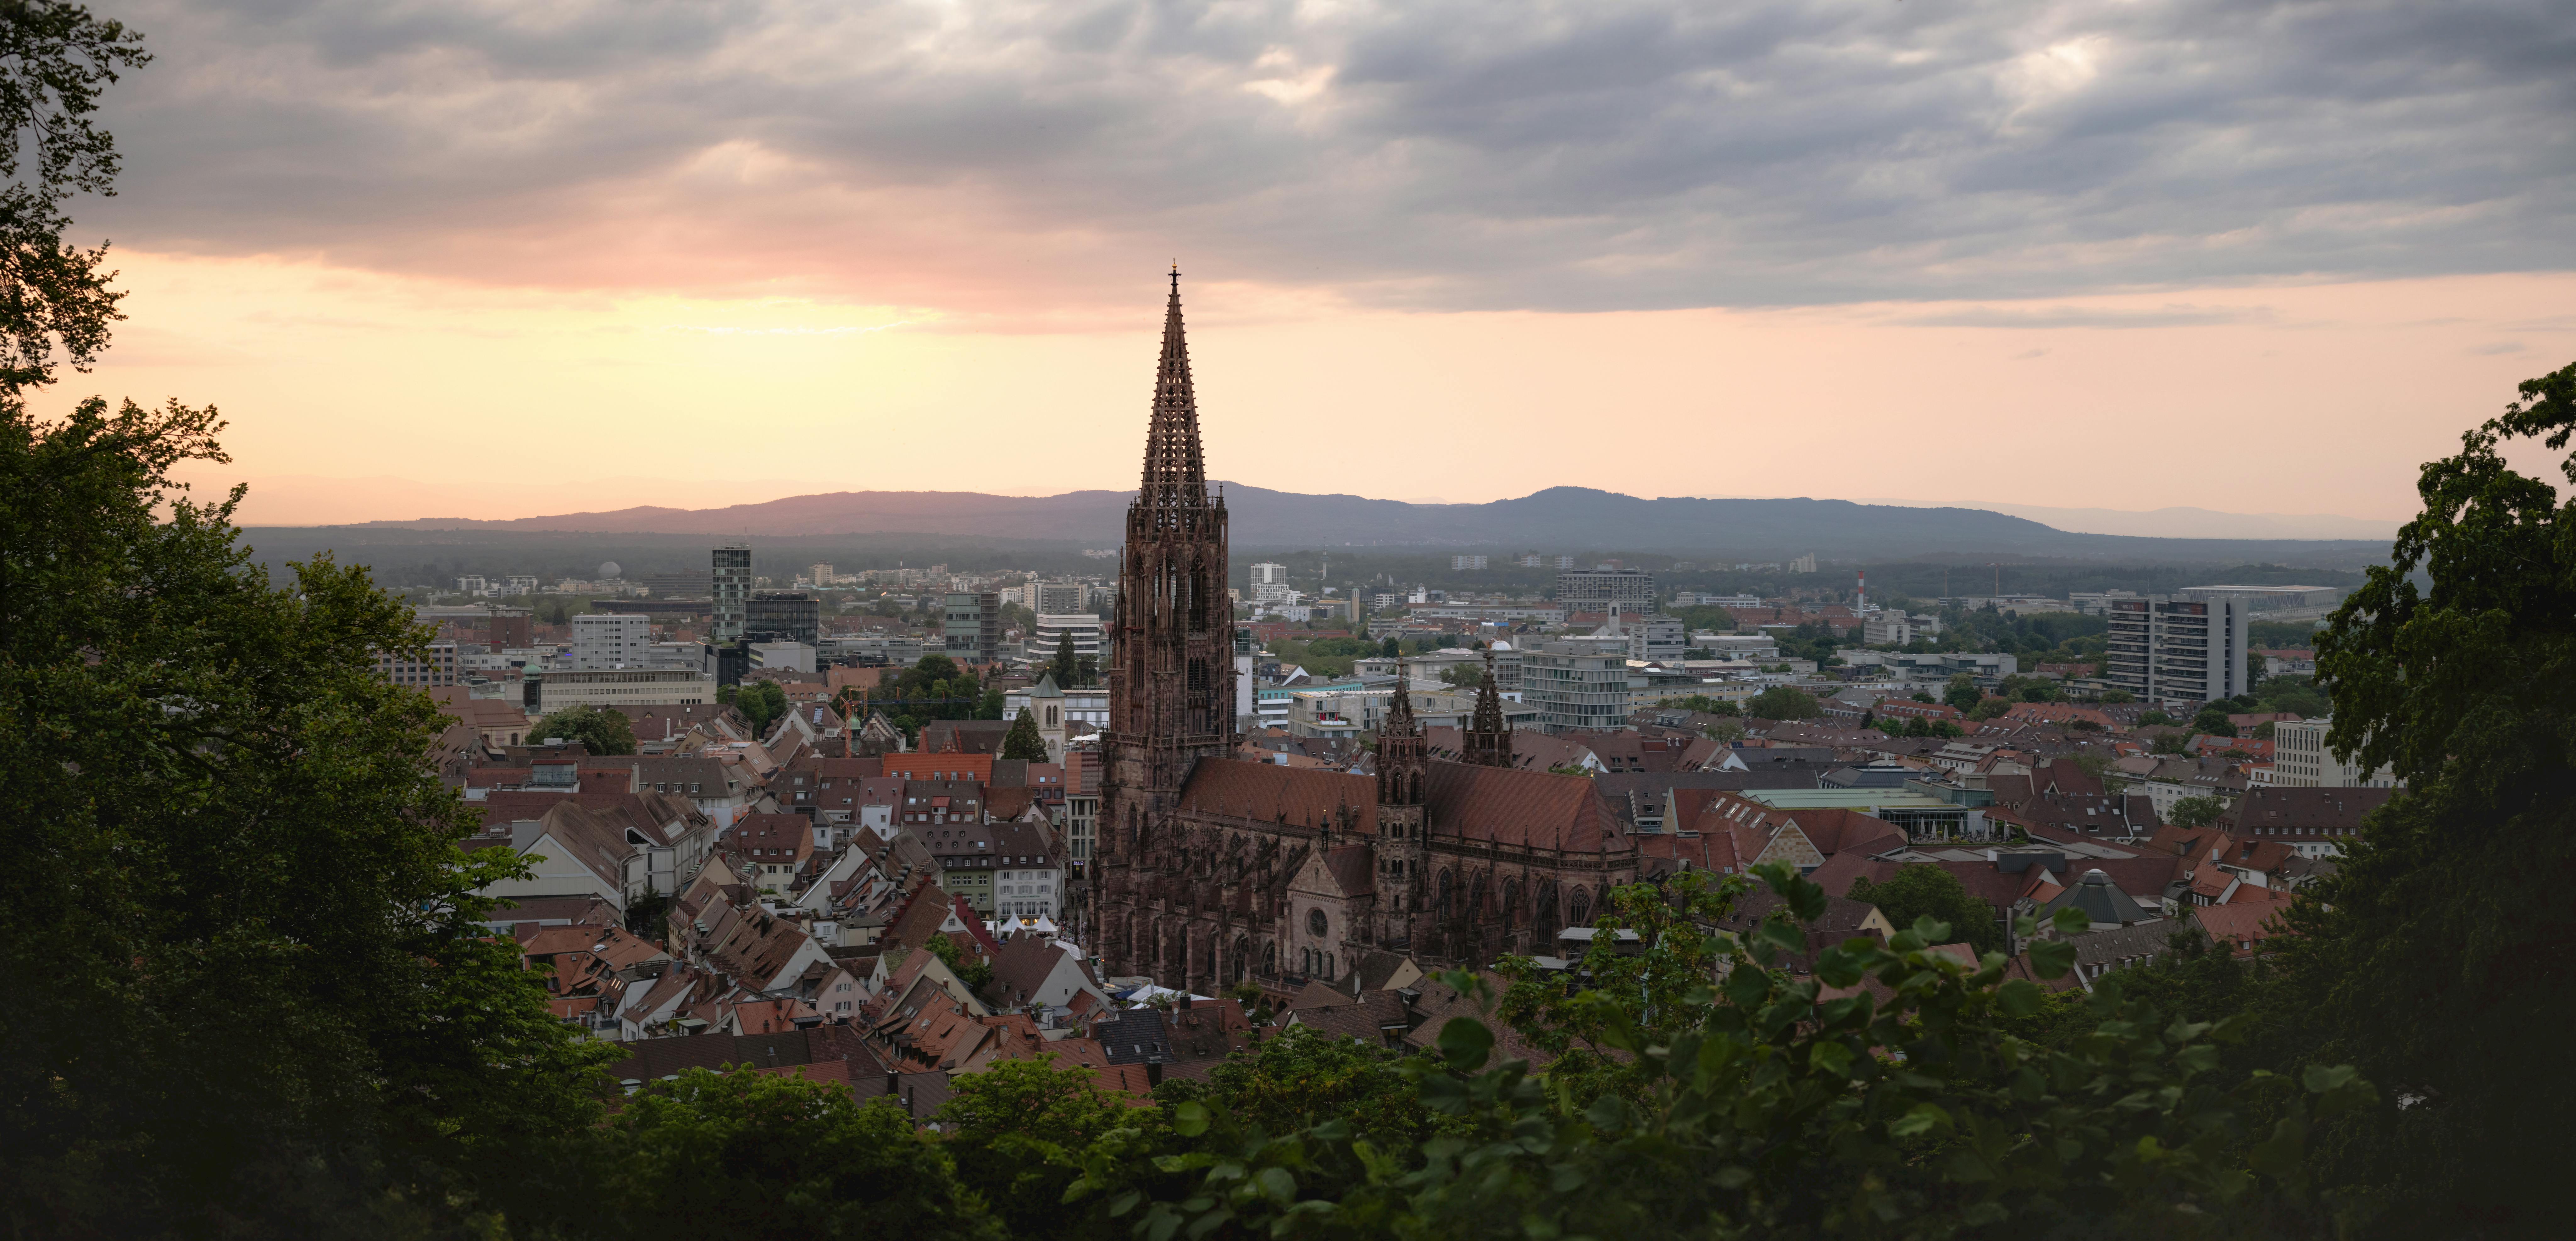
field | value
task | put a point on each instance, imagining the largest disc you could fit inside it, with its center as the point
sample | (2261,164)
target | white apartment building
(611,640)
(1056,598)
(2166,649)
(1897,628)
(783,656)
(1576,686)
(1270,583)
(1466,562)
(622,687)
(2300,759)
(1758,647)
(1054,627)
(1349,712)
(1657,638)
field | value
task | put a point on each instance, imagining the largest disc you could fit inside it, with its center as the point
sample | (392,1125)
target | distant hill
(1557,519)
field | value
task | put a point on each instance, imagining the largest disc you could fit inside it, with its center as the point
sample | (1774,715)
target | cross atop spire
(1175,473)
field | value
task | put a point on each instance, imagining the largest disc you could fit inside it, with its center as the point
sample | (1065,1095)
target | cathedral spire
(1175,472)
(1488,742)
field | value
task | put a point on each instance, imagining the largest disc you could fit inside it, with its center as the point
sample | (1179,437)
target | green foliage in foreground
(1779,1112)
(757,1155)
(248,988)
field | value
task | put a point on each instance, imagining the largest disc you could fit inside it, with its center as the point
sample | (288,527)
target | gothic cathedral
(1210,869)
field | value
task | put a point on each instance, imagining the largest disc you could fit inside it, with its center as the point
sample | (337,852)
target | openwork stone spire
(1171,684)
(1175,472)
(1488,742)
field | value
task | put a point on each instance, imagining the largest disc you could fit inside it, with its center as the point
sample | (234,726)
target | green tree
(1920,890)
(2294,694)
(975,972)
(760,702)
(56,60)
(1921,697)
(1391,649)
(2170,743)
(2212,720)
(2196,812)
(603,730)
(2154,719)
(1017,1132)
(1962,692)
(1945,729)
(1703,704)
(1023,741)
(2118,696)
(1783,702)
(1066,667)
(2466,688)
(1299,1078)
(1987,709)
(1465,672)
(1756,1107)
(744,1154)
(218,815)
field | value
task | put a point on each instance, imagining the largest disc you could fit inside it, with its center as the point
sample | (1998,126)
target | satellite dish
(608,569)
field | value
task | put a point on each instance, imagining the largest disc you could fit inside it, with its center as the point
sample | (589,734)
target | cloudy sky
(496,259)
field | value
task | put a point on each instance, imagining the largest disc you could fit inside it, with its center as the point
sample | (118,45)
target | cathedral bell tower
(1171,670)
(1403,770)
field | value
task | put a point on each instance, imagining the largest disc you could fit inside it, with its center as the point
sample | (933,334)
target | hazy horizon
(1813,248)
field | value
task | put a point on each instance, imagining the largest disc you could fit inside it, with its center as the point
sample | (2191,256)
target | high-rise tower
(1171,676)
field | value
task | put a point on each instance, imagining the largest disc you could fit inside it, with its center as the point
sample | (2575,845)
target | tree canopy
(2195,811)
(1783,702)
(249,988)
(2435,957)
(761,702)
(1923,890)
(602,730)
(1023,741)
(217,816)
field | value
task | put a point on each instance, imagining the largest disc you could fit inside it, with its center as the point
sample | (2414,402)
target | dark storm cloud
(1424,152)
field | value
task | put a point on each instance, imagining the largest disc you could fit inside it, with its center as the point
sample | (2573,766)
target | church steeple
(1175,470)
(1488,742)
(1171,674)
